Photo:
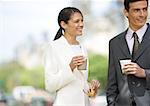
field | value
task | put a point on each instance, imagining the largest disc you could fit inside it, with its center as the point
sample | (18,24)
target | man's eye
(136,10)
(145,9)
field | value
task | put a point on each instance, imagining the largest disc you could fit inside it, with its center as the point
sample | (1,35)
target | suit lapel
(123,45)
(144,44)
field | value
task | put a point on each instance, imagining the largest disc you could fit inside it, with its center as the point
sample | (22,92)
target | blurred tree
(98,68)
(13,74)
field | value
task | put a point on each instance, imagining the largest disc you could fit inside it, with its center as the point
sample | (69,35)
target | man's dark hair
(127,2)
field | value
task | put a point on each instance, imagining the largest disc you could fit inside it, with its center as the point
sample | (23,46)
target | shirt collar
(139,32)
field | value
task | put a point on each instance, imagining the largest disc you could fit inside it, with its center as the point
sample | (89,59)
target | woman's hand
(95,84)
(93,88)
(76,61)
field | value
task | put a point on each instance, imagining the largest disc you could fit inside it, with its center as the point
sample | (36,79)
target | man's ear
(126,13)
(63,24)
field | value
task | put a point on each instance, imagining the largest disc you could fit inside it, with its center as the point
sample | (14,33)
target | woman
(65,55)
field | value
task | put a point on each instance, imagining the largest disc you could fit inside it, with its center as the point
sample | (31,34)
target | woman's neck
(71,39)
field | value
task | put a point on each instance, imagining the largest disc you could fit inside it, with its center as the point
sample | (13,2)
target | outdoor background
(26,26)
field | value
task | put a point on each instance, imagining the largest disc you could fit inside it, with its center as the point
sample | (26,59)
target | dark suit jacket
(118,93)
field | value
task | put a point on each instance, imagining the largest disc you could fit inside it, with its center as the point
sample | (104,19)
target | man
(131,88)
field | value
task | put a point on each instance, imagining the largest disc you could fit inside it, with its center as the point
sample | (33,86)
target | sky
(20,19)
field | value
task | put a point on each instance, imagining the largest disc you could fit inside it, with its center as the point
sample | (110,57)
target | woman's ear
(125,13)
(63,24)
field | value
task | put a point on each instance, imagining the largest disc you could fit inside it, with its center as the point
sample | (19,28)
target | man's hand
(134,69)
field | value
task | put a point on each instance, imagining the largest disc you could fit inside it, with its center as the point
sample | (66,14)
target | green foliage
(98,68)
(13,74)
(8,75)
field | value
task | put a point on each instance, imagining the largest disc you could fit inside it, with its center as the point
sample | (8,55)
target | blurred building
(30,53)
(103,20)
(30,95)
(101,25)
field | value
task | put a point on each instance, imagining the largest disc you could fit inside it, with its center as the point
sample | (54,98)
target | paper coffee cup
(83,66)
(124,62)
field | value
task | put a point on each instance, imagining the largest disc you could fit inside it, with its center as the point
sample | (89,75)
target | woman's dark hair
(65,15)
(127,2)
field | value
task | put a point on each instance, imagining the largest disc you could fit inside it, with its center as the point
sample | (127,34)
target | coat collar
(144,44)
(65,43)
(62,48)
(63,40)
(62,44)
(123,44)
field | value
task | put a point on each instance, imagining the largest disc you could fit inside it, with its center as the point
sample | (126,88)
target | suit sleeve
(147,71)
(55,78)
(112,90)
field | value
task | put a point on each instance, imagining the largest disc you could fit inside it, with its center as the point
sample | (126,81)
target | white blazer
(59,77)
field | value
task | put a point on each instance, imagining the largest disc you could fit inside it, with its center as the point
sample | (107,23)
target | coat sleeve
(84,50)
(55,78)
(147,71)
(112,89)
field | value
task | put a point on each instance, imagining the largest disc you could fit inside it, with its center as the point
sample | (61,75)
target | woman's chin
(79,34)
